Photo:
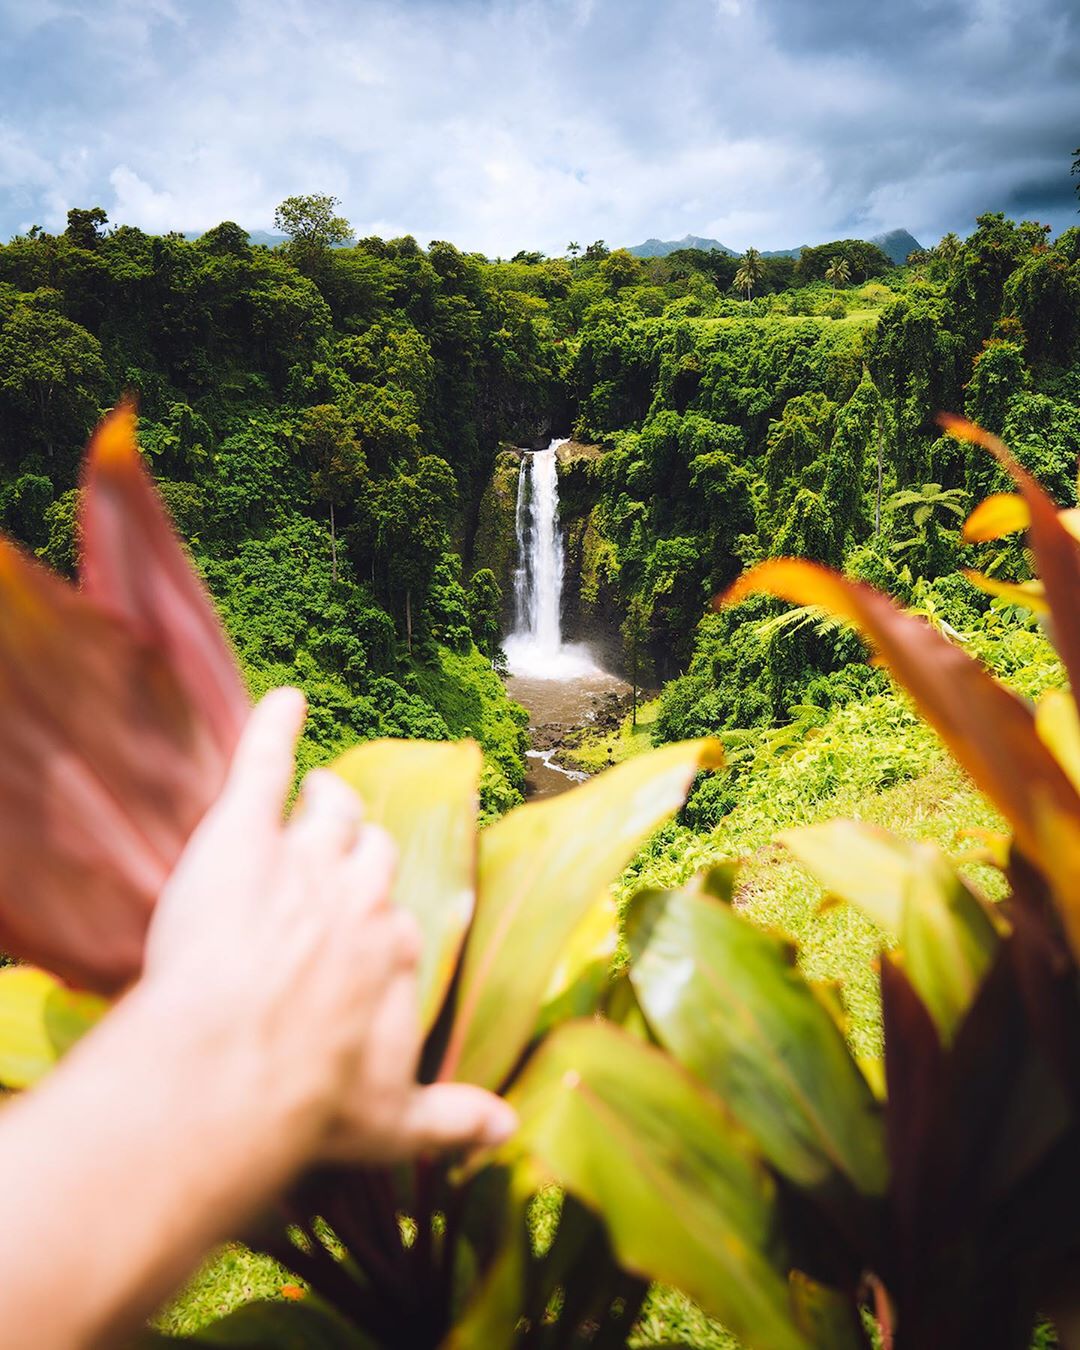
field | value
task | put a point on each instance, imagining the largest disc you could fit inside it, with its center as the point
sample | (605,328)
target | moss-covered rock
(494,542)
(579,485)
(599,568)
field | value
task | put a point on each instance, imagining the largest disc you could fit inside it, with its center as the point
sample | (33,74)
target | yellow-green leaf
(856,862)
(1058,727)
(541,869)
(1000,514)
(989,729)
(1030,594)
(40,1020)
(681,1191)
(827,1316)
(727,1000)
(583,970)
(947,935)
(425,794)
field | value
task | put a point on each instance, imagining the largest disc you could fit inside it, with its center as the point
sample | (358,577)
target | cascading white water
(535,647)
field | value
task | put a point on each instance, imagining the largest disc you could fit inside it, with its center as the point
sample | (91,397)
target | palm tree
(573,248)
(751,271)
(838,271)
(948,247)
(926,502)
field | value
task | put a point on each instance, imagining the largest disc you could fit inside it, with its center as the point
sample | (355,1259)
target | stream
(560,683)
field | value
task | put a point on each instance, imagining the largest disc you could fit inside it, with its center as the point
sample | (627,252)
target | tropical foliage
(327,425)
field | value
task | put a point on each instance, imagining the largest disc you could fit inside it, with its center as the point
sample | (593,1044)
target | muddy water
(557,707)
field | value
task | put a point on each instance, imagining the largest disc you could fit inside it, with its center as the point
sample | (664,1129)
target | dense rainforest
(330,426)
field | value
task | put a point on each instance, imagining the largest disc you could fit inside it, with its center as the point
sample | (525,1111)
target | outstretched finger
(367,873)
(448,1116)
(263,764)
(327,819)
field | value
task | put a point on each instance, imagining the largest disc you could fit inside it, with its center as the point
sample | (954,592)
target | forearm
(152,1142)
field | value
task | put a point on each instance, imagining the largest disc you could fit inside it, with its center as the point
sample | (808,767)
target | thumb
(449,1116)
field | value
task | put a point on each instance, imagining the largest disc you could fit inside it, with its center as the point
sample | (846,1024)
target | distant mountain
(254,237)
(265,237)
(896,244)
(660,248)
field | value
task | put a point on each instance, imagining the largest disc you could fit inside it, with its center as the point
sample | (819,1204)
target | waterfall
(535,647)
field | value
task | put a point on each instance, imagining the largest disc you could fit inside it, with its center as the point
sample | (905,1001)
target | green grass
(232,1276)
(596,751)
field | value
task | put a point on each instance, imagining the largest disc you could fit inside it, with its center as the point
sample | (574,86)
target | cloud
(503,124)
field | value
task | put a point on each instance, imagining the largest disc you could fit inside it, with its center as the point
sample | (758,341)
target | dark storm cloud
(523,123)
(826,26)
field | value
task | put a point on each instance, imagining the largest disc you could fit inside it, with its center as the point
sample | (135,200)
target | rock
(495,543)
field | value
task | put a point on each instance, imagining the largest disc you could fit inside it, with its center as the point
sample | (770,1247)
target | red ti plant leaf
(989,730)
(133,565)
(119,709)
(1057,554)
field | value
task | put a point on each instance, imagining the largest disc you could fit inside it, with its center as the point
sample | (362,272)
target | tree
(858,424)
(751,271)
(998,373)
(573,248)
(620,269)
(1076,169)
(312,227)
(338,465)
(485,611)
(865,260)
(1044,295)
(926,503)
(227,239)
(51,373)
(948,247)
(85,228)
(411,516)
(23,505)
(838,272)
(597,251)
(635,629)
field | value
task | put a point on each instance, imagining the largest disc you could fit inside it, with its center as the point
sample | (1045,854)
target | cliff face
(590,597)
(494,543)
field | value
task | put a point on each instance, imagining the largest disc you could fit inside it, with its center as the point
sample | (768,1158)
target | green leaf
(308,1325)
(425,794)
(583,972)
(828,1317)
(947,936)
(727,1000)
(683,1195)
(860,863)
(541,868)
(40,1020)
(497,1303)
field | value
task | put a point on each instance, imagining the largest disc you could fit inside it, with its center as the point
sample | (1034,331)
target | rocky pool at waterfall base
(557,709)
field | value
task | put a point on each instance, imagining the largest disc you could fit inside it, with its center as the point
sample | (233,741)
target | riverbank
(560,712)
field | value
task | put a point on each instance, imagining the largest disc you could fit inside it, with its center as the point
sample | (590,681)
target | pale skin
(274,1026)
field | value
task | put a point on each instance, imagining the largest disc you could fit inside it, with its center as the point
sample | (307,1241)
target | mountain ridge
(895,244)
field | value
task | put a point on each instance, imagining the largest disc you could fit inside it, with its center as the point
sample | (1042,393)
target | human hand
(278,945)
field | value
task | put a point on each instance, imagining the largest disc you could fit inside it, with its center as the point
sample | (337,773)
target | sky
(507,124)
